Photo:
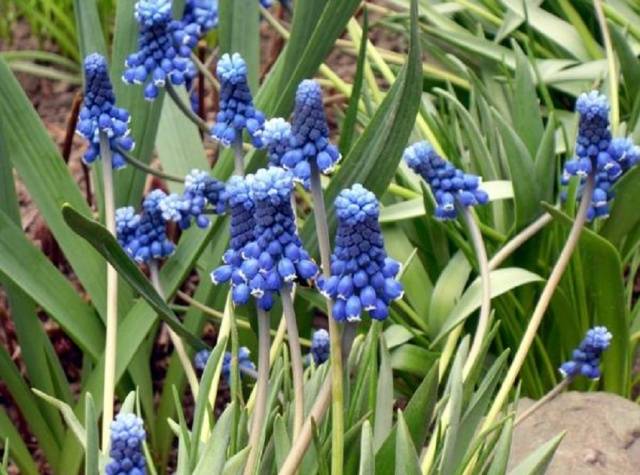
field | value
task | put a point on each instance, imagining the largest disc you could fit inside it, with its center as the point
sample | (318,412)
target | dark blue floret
(143,236)
(320,346)
(449,185)
(310,131)
(164,49)
(126,453)
(596,152)
(237,112)
(277,139)
(99,114)
(244,361)
(202,193)
(362,278)
(585,359)
(201,13)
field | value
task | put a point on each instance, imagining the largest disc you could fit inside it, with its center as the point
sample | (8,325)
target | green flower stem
(238,156)
(543,303)
(337,390)
(485,307)
(186,109)
(262,386)
(131,160)
(112,297)
(561,386)
(296,360)
(181,351)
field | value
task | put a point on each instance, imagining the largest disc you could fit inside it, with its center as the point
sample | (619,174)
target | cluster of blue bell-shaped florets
(245,365)
(144,236)
(320,346)
(237,112)
(585,360)
(362,276)
(449,185)
(598,154)
(164,48)
(267,256)
(99,114)
(202,194)
(310,143)
(126,452)
(277,140)
(201,13)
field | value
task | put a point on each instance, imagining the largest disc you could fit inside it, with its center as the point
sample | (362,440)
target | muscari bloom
(237,112)
(448,184)
(585,360)
(99,114)
(127,437)
(164,49)
(310,143)
(598,153)
(277,139)
(201,13)
(244,361)
(143,236)
(362,276)
(202,193)
(320,346)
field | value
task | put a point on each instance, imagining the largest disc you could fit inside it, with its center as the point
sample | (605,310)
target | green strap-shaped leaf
(537,462)
(406,456)
(19,452)
(92,450)
(239,32)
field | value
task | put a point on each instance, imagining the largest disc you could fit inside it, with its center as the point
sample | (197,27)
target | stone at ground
(602,434)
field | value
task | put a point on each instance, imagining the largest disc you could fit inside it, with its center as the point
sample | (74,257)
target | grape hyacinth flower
(144,236)
(277,139)
(244,361)
(237,112)
(585,359)
(201,13)
(100,114)
(597,153)
(310,143)
(449,185)
(126,453)
(200,191)
(320,346)
(362,276)
(164,49)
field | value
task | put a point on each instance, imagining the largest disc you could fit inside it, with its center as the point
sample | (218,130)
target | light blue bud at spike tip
(126,452)
(144,236)
(596,152)
(320,346)
(585,360)
(277,139)
(99,114)
(362,278)
(237,112)
(310,135)
(203,14)
(164,49)
(449,185)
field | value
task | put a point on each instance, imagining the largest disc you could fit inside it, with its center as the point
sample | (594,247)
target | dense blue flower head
(277,139)
(362,276)
(202,193)
(585,360)
(99,114)
(242,226)
(320,346)
(310,134)
(597,153)
(164,48)
(237,112)
(448,184)
(144,236)
(126,453)
(202,13)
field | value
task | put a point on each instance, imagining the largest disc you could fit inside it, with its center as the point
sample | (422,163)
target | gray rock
(602,434)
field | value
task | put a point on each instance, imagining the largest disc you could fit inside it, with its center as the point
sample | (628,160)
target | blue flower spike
(597,153)
(277,139)
(237,112)
(202,193)
(585,360)
(126,453)
(310,131)
(320,346)
(449,185)
(244,361)
(164,49)
(144,236)
(362,278)
(100,114)
(201,13)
